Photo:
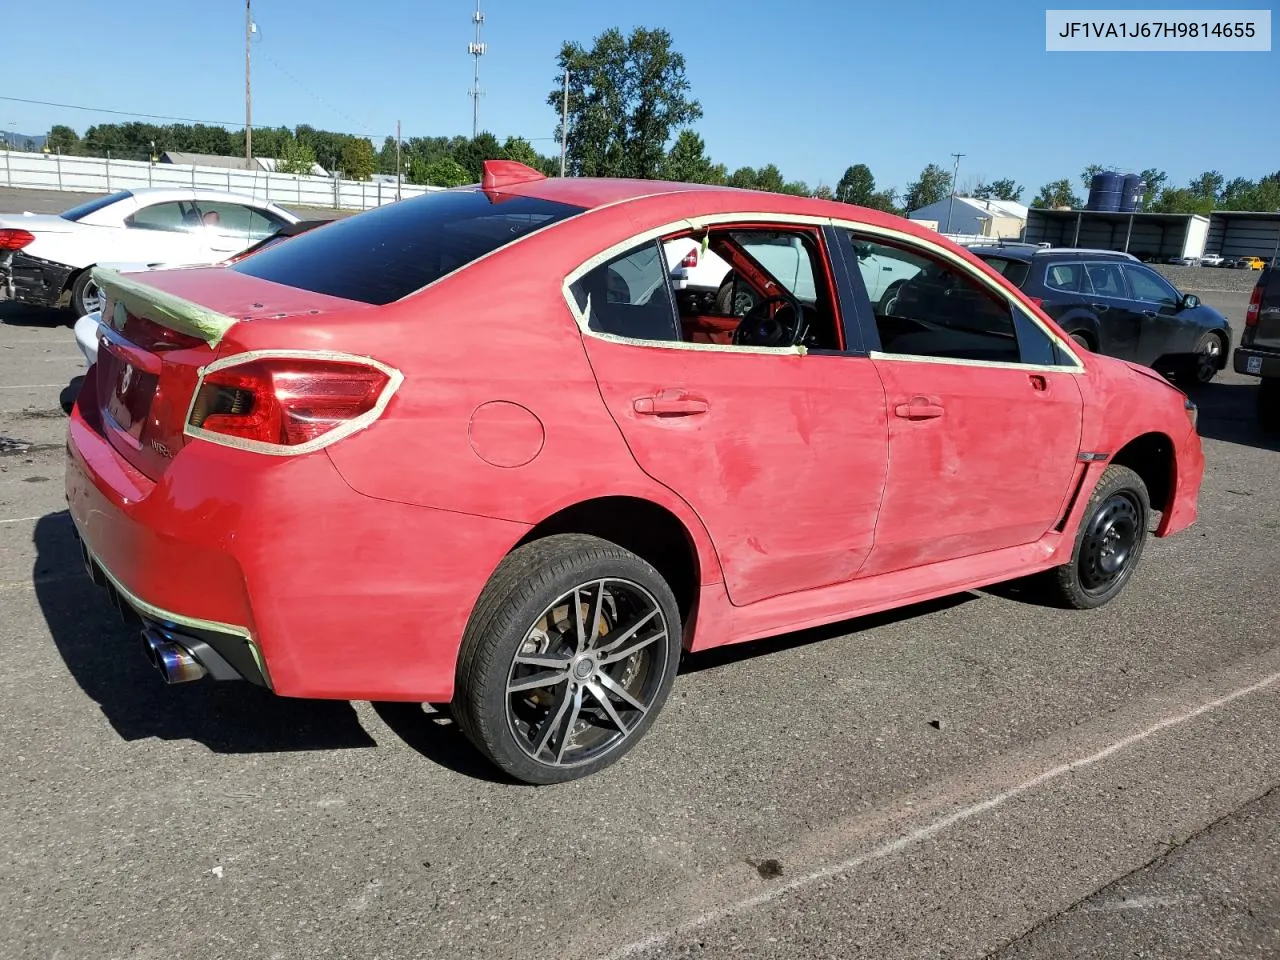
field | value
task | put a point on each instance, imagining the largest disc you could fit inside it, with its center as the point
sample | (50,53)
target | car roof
(1025,255)
(160,194)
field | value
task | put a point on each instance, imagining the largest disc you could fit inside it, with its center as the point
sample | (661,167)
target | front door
(781,452)
(984,424)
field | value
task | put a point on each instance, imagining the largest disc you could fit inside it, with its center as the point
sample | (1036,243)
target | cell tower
(477,50)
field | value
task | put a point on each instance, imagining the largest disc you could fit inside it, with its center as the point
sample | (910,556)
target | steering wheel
(784,328)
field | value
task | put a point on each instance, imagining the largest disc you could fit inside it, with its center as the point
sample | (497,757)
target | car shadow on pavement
(22,315)
(105,657)
(1228,412)
(430,731)
(722,656)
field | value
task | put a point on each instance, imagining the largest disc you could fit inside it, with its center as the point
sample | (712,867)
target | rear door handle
(1148,313)
(1100,307)
(670,404)
(919,408)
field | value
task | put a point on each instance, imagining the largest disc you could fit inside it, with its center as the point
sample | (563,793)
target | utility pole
(477,50)
(248,95)
(952,205)
(397,159)
(564,123)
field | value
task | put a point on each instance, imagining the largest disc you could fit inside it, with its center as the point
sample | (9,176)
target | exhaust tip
(175,663)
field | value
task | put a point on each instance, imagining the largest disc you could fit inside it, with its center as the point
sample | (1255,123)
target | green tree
(933,185)
(687,162)
(1056,194)
(62,140)
(823,192)
(471,154)
(796,188)
(1089,172)
(443,172)
(1002,189)
(358,159)
(1155,181)
(1182,200)
(521,151)
(883,200)
(295,157)
(856,185)
(769,178)
(1208,185)
(626,96)
(745,178)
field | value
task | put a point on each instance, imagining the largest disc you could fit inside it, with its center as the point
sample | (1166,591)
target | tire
(1206,360)
(1081,341)
(889,299)
(84,293)
(578,724)
(1269,405)
(1115,522)
(746,299)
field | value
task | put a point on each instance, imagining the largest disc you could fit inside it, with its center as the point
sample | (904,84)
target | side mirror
(1189,301)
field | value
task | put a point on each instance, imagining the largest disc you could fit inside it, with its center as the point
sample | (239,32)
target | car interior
(938,311)
(791,305)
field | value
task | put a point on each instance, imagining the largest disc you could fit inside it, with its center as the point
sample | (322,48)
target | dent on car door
(984,415)
(780,452)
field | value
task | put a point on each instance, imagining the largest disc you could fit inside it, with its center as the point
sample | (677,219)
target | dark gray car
(1259,351)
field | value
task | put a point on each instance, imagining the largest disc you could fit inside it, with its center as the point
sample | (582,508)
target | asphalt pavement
(979,776)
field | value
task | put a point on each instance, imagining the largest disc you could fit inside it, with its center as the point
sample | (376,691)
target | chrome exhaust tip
(175,662)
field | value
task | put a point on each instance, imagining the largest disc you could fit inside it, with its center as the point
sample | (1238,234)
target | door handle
(670,405)
(1038,382)
(1100,307)
(1148,313)
(919,408)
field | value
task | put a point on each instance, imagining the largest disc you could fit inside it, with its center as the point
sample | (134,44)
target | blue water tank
(1105,192)
(1132,192)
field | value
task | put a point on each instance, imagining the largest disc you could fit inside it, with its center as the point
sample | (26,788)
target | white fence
(50,171)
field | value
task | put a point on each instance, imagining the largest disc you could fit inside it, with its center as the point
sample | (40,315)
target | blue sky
(812,85)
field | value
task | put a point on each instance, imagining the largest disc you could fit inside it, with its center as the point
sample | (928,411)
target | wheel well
(1086,335)
(1150,456)
(650,531)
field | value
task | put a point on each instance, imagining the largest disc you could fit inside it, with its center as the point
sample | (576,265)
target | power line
(123,113)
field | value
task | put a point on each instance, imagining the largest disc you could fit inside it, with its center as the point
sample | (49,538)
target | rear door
(780,451)
(984,412)
(1119,319)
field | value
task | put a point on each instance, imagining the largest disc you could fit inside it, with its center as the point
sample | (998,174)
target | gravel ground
(978,776)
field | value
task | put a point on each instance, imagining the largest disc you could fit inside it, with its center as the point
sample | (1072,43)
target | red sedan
(472,448)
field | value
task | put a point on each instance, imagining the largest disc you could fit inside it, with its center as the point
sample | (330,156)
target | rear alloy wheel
(1206,359)
(569,656)
(84,294)
(1269,405)
(1108,544)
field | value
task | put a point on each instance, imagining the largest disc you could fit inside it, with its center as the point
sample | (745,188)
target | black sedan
(1111,303)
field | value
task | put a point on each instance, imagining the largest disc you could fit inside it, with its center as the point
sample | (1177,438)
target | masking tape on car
(160,307)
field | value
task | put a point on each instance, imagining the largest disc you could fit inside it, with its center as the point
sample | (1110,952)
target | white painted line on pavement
(40,581)
(51,516)
(31,386)
(655,940)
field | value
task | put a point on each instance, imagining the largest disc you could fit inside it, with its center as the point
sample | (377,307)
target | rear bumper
(282,568)
(87,337)
(1257,363)
(28,279)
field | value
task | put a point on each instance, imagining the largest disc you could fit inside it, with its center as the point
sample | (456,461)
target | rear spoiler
(149,303)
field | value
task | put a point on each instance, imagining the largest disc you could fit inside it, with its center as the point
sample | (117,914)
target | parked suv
(1111,303)
(1259,350)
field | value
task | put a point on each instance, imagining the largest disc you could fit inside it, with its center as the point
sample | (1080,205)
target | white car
(46,257)
(1212,260)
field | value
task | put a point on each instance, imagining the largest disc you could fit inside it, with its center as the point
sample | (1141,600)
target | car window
(177,216)
(1067,277)
(629,296)
(237,220)
(1107,280)
(941,310)
(1149,287)
(784,256)
(92,206)
(389,252)
(1015,271)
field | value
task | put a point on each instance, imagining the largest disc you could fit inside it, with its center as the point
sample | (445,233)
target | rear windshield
(75,213)
(388,253)
(1015,271)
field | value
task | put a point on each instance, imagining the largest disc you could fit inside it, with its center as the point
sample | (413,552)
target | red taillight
(1255,304)
(15,239)
(690,258)
(286,401)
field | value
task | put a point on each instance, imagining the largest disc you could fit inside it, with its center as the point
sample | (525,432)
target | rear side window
(1015,271)
(629,296)
(388,253)
(1068,277)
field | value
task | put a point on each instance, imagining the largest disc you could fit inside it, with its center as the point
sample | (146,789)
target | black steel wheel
(569,656)
(1109,542)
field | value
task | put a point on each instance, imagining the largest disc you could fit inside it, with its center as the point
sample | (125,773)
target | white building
(974,217)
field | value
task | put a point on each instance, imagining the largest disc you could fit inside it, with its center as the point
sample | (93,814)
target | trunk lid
(158,331)
(38,223)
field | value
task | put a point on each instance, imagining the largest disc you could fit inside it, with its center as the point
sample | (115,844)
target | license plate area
(125,392)
(1253,365)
